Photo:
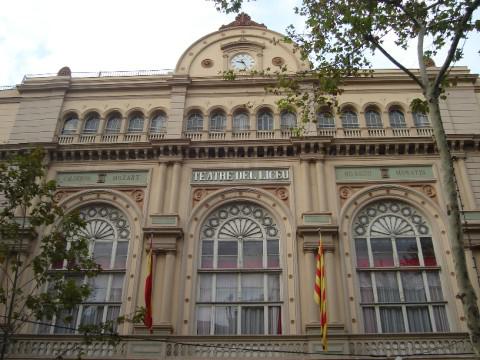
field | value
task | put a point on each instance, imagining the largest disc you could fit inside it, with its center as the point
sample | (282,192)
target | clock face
(242,62)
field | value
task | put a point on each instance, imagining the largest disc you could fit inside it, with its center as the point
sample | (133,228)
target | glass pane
(418,319)
(369,320)
(121,255)
(373,120)
(273,287)
(275,320)
(135,124)
(349,120)
(91,125)
(92,315)
(226,318)
(441,320)
(382,252)
(252,287)
(434,286)
(252,320)
(226,290)
(241,122)
(362,253)
(366,289)
(407,251)
(66,322)
(218,122)
(205,287)
(207,254)
(397,120)
(387,287)
(158,123)
(112,315)
(427,251)
(195,122)
(391,319)
(102,254)
(421,120)
(204,315)
(117,288)
(265,121)
(227,254)
(70,126)
(288,120)
(325,120)
(413,288)
(252,254)
(113,125)
(98,287)
(273,258)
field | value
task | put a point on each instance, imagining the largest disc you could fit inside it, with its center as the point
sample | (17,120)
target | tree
(35,236)
(339,39)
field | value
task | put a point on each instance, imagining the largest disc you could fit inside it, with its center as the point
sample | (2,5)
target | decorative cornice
(242,19)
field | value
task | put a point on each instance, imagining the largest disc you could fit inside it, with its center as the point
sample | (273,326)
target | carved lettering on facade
(243,175)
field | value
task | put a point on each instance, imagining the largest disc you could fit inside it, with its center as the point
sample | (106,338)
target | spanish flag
(319,293)
(147,320)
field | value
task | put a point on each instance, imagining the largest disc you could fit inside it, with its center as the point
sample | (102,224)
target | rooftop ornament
(242,19)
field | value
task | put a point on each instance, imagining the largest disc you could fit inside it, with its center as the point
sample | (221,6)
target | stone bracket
(164,239)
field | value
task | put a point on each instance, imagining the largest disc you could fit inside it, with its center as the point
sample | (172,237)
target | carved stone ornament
(207,63)
(429,190)
(64,71)
(282,193)
(242,19)
(345,192)
(278,61)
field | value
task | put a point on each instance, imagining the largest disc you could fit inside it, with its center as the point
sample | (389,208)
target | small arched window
(373,119)
(158,123)
(325,120)
(218,121)
(349,119)
(241,121)
(265,120)
(91,124)
(397,119)
(420,119)
(70,125)
(288,120)
(135,123)
(113,123)
(195,121)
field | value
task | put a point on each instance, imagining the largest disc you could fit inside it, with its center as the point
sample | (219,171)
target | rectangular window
(226,290)
(369,320)
(407,252)
(387,287)
(92,314)
(413,287)
(427,251)
(366,289)
(434,286)
(252,320)
(274,320)
(205,287)
(273,283)
(252,287)
(102,253)
(252,254)
(226,318)
(204,316)
(273,255)
(98,285)
(116,288)
(227,254)
(441,320)
(382,252)
(418,319)
(207,254)
(391,319)
(361,252)
(121,255)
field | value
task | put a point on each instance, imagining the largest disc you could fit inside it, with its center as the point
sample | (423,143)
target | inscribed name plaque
(351,173)
(99,178)
(216,176)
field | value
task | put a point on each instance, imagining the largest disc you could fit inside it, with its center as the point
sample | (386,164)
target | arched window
(108,231)
(239,272)
(398,275)
(397,119)
(158,123)
(373,119)
(195,122)
(265,120)
(218,121)
(91,124)
(420,119)
(113,123)
(70,125)
(349,119)
(325,120)
(288,120)
(241,121)
(135,123)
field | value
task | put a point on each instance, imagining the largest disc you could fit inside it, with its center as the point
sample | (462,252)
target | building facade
(214,175)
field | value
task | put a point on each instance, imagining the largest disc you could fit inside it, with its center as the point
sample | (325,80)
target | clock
(242,62)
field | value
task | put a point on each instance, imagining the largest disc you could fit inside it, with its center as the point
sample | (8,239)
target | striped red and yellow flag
(320,294)
(148,320)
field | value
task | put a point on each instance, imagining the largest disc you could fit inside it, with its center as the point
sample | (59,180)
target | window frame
(133,128)
(286,123)
(349,119)
(325,120)
(244,121)
(373,121)
(113,117)
(163,122)
(194,122)
(69,119)
(216,125)
(91,118)
(397,119)
(265,120)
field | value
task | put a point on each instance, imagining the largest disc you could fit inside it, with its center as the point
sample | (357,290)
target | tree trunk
(455,229)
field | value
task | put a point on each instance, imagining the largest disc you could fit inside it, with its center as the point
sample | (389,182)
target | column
(313,310)
(305,165)
(167,292)
(334,302)
(321,186)
(464,185)
(162,175)
(173,204)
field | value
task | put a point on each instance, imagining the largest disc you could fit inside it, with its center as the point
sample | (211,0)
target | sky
(38,37)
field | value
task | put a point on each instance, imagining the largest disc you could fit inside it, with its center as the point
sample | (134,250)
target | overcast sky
(97,35)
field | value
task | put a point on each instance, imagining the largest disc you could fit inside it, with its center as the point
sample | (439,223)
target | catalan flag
(319,293)
(147,320)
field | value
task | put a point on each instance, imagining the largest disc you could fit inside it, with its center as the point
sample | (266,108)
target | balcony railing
(438,345)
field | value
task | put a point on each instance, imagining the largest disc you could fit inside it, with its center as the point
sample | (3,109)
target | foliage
(34,233)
